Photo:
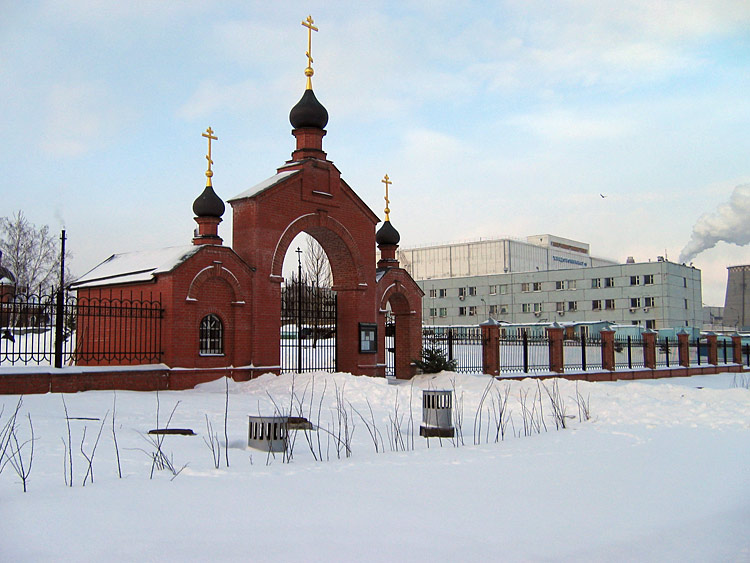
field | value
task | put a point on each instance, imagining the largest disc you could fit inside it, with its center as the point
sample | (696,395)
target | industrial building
(548,278)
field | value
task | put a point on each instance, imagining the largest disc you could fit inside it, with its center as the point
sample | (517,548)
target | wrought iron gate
(308,328)
(390,346)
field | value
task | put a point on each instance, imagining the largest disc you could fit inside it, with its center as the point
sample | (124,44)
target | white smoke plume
(729,223)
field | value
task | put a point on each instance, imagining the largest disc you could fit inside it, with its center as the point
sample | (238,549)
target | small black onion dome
(387,235)
(308,112)
(208,204)
(5,273)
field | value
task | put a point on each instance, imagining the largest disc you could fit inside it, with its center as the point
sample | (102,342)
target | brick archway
(308,195)
(338,243)
(399,291)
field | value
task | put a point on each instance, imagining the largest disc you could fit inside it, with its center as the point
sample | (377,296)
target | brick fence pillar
(608,349)
(713,348)
(490,347)
(556,357)
(649,349)
(737,349)
(683,347)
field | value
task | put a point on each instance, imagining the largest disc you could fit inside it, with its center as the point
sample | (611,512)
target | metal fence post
(450,344)
(525,341)
(583,351)
(630,355)
(666,348)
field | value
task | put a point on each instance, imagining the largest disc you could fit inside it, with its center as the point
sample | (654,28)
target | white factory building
(548,278)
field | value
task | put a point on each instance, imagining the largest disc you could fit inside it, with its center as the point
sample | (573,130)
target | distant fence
(59,328)
(529,352)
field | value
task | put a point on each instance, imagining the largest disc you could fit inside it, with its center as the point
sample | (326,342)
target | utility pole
(60,306)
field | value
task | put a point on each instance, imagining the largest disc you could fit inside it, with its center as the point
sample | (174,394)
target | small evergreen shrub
(434,361)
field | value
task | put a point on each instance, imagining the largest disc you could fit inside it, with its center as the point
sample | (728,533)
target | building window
(559,285)
(462,292)
(443,312)
(473,291)
(525,287)
(462,311)
(686,303)
(503,288)
(684,282)
(596,283)
(596,305)
(526,308)
(537,307)
(537,286)
(651,324)
(503,309)
(648,302)
(635,280)
(560,306)
(493,290)
(211,336)
(442,293)
(493,309)
(648,279)
(433,312)
(609,282)
(572,305)
(571,284)
(433,293)
(472,311)
(635,302)
(609,304)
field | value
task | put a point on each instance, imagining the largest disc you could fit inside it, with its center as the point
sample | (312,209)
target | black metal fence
(523,352)
(628,352)
(582,353)
(308,328)
(462,344)
(61,328)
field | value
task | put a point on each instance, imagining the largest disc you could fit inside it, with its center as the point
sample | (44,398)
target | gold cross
(209,134)
(308,23)
(387,183)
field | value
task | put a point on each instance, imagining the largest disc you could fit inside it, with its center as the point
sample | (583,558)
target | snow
(659,473)
(265,184)
(132,267)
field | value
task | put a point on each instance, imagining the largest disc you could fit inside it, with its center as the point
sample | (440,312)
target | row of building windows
(528,287)
(560,306)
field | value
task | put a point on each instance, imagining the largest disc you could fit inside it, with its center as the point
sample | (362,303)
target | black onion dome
(387,235)
(5,273)
(208,204)
(308,112)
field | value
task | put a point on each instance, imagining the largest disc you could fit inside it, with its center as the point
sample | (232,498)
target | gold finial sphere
(309,72)
(209,173)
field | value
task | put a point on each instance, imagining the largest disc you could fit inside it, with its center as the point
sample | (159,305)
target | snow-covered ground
(661,472)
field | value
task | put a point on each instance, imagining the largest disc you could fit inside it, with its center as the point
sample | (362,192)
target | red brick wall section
(214,280)
(556,358)
(683,348)
(608,349)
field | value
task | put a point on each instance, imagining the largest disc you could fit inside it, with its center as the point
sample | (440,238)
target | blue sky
(505,118)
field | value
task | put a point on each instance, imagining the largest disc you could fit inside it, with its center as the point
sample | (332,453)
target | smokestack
(729,223)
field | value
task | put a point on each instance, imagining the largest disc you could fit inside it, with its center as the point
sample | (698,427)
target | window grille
(211,336)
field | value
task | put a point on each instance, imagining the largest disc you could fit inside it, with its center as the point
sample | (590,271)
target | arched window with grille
(211,336)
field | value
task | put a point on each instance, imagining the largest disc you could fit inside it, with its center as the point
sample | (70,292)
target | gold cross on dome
(209,134)
(308,23)
(387,183)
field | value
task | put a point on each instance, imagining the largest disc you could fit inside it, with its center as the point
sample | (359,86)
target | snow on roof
(7,281)
(265,184)
(133,267)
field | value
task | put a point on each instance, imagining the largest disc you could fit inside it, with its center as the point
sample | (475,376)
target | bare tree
(317,267)
(30,252)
